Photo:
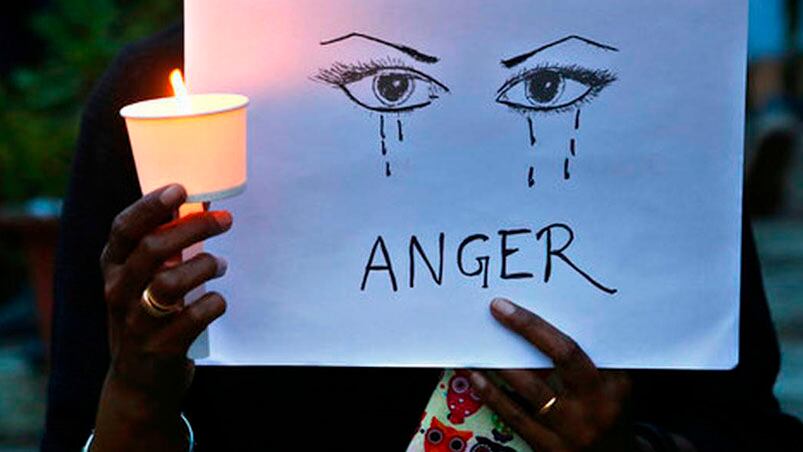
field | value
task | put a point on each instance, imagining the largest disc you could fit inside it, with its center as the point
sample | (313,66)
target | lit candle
(196,140)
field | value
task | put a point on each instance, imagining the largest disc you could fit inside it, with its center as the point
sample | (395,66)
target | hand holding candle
(149,369)
(196,140)
(199,142)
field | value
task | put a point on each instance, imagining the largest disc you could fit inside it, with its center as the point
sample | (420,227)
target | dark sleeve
(731,410)
(102,183)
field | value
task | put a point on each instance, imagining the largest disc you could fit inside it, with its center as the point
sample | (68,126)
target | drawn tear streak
(566,174)
(384,146)
(572,146)
(533,141)
(532,131)
(399,130)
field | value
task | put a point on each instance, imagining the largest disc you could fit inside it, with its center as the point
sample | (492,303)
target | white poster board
(409,161)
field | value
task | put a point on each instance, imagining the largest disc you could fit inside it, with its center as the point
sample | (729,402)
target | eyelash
(596,80)
(341,74)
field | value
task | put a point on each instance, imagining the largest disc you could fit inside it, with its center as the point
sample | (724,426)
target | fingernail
(223,219)
(172,195)
(503,307)
(478,380)
(222,266)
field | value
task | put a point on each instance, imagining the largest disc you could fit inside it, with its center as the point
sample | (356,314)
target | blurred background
(51,52)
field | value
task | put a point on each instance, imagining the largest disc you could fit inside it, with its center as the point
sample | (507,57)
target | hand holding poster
(409,161)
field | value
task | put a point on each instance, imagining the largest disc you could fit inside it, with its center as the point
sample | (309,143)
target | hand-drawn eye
(553,88)
(383,86)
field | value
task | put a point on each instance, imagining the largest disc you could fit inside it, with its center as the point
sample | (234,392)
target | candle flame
(177,81)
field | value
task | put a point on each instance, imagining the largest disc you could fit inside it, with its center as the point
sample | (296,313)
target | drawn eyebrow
(516,60)
(411,52)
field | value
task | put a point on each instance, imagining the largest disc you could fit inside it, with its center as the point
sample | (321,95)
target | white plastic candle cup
(198,141)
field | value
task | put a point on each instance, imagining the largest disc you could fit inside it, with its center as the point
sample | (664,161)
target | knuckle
(196,316)
(165,283)
(568,352)
(207,264)
(104,257)
(112,289)
(485,393)
(516,417)
(119,227)
(525,323)
(151,202)
(521,319)
(109,291)
(151,245)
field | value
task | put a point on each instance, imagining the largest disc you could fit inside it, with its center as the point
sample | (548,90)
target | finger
(171,285)
(154,249)
(195,318)
(139,219)
(533,432)
(529,386)
(183,211)
(576,369)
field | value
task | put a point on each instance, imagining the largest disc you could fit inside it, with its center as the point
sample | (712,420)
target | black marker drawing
(550,88)
(554,240)
(516,60)
(411,52)
(386,86)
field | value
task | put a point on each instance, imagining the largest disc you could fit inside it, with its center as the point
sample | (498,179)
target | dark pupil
(434,436)
(543,86)
(456,444)
(393,87)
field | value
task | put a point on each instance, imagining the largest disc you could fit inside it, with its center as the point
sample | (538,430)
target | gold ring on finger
(155,308)
(548,406)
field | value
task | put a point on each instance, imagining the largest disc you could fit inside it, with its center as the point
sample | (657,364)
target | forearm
(128,420)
